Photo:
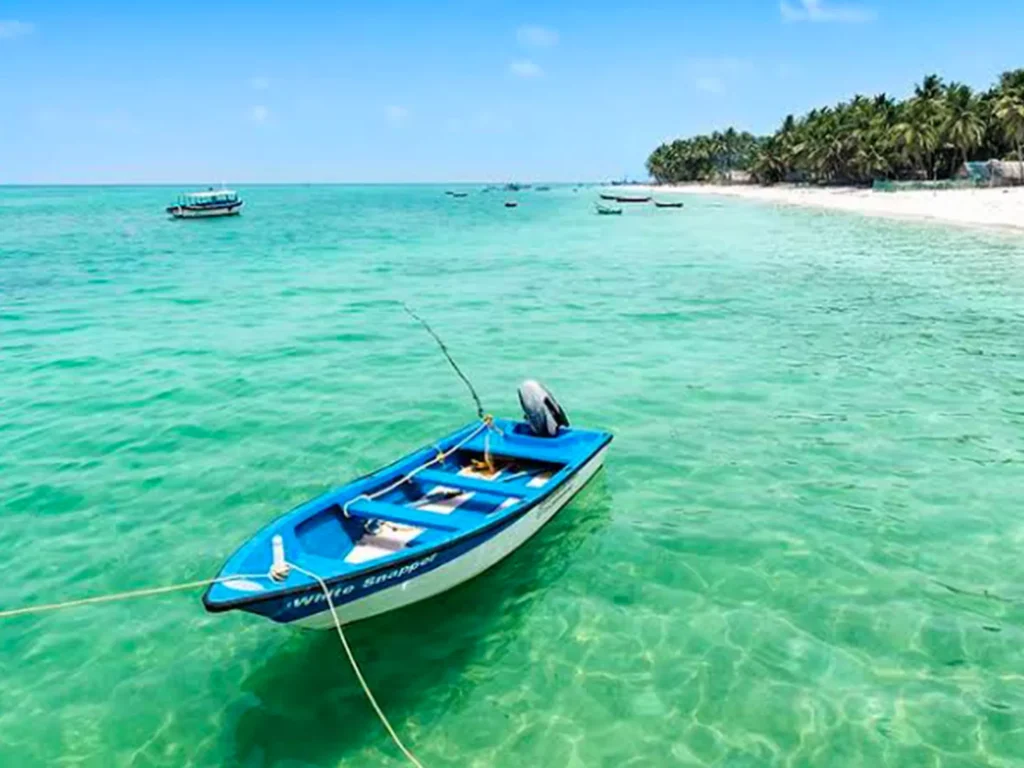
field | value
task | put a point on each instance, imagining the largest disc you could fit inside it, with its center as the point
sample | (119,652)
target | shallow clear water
(805,549)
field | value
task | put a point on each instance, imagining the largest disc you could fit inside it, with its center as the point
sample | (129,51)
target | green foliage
(702,158)
(855,142)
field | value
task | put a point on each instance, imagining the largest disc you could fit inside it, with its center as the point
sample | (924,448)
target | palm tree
(770,164)
(1012,80)
(930,88)
(964,127)
(916,136)
(1009,110)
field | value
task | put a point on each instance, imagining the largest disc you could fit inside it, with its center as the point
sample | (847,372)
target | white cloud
(259,113)
(10,29)
(816,10)
(259,83)
(396,114)
(712,74)
(525,68)
(709,84)
(534,36)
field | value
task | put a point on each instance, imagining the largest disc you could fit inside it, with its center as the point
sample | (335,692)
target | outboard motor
(540,409)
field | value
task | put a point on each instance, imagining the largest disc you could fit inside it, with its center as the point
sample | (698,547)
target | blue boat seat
(396,513)
(506,450)
(463,483)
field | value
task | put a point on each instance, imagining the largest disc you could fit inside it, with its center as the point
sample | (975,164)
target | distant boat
(660,204)
(460,194)
(605,210)
(205,205)
(633,199)
(513,187)
(543,189)
(511,203)
(609,197)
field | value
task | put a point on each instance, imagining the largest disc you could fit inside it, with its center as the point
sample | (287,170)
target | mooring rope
(487,423)
(150,591)
(355,668)
(129,595)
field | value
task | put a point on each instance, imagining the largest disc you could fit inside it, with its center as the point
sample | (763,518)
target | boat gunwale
(510,517)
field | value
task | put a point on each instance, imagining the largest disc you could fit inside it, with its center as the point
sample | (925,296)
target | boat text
(306,600)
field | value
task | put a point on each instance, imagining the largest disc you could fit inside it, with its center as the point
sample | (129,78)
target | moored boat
(605,196)
(607,210)
(204,205)
(625,199)
(511,204)
(418,527)
(661,204)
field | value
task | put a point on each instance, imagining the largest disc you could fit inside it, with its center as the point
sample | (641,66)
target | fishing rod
(451,360)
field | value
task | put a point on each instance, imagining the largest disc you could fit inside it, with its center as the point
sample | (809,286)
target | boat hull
(179,212)
(436,572)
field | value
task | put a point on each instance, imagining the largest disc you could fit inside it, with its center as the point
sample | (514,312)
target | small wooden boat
(543,189)
(208,204)
(606,210)
(511,204)
(605,196)
(622,199)
(418,527)
(660,204)
(460,194)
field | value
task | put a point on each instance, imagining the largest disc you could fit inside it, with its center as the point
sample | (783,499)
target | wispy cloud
(712,74)
(259,114)
(817,10)
(534,36)
(396,114)
(525,68)
(10,29)
(709,84)
(259,83)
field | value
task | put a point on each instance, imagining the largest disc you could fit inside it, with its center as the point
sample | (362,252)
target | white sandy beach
(997,207)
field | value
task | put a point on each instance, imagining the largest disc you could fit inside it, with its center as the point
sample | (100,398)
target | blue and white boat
(423,525)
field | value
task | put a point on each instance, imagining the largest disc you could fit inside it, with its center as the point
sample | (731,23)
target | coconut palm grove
(927,136)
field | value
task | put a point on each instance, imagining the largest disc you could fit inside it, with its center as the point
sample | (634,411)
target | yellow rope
(358,672)
(129,595)
(440,457)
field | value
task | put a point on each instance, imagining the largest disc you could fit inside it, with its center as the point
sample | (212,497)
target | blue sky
(385,91)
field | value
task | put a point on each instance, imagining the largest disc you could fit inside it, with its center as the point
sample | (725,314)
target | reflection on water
(433,650)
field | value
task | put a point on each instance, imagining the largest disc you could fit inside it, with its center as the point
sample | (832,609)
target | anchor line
(355,667)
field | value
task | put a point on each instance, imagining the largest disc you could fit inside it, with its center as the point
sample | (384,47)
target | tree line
(927,136)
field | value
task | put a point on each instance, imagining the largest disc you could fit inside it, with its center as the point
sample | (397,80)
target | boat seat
(525,453)
(396,513)
(464,483)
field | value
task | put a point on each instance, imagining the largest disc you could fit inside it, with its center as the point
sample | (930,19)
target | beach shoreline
(999,207)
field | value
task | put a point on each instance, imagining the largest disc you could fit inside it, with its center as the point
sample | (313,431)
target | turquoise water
(805,549)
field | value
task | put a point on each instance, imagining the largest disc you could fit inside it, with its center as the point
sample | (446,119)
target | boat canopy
(210,197)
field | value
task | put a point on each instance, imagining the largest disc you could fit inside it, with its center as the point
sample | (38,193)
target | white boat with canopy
(202,205)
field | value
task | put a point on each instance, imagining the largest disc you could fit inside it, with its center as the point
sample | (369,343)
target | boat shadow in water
(311,707)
